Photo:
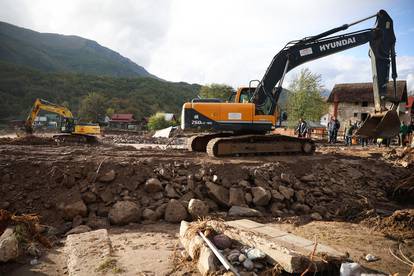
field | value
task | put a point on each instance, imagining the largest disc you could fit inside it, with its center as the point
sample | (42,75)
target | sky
(219,41)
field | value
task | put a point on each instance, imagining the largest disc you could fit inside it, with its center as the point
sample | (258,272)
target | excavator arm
(47,106)
(381,39)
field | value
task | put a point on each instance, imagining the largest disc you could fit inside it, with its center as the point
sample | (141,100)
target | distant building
(354,101)
(123,121)
(169,117)
(409,112)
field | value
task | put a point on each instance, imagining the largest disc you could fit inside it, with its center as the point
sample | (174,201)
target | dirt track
(353,186)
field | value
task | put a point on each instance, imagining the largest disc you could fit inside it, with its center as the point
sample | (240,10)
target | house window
(355,115)
(365,104)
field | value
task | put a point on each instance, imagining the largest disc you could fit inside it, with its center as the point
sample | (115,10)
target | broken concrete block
(9,246)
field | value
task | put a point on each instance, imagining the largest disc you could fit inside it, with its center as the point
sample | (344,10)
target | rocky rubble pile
(147,191)
(141,139)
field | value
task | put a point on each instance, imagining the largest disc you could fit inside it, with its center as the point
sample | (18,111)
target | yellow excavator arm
(46,106)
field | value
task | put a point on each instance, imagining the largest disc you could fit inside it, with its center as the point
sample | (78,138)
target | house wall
(350,111)
(354,111)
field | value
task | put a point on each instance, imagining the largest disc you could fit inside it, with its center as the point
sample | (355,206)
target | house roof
(128,117)
(410,101)
(363,92)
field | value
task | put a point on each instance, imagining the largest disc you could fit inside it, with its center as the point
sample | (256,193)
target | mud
(335,184)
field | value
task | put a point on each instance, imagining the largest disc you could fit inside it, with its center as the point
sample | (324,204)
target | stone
(107,195)
(160,210)
(244,183)
(300,196)
(248,197)
(300,208)
(89,197)
(108,177)
(242,258)
(236,197)
(218,193)
(233,257)
(255,253)
(171,192)
(277,196)
(153,185)
(9,246)
(286,178)
(286,192)
(95,222)
(206,261)
(240,211)
(77,220)
(261,196)
(308,178)
(149,214)
(175,211)
(74,209)
(221,241)
(316,216)
(197,208)
(248,264)
(124,212)
(4,205)
(78,229)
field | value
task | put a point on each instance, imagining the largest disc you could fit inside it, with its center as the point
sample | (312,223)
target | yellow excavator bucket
(380,125)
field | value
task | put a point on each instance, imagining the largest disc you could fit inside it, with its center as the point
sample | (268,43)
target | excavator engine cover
(381,125)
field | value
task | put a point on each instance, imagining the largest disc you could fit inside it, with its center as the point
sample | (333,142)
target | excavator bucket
(381,125)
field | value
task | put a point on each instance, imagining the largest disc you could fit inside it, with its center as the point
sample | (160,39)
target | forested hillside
(143,96)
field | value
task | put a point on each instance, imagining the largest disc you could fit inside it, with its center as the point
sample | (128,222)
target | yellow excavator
(71,131)
(243,125)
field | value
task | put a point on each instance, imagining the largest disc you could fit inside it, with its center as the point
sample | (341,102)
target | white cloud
(198,41)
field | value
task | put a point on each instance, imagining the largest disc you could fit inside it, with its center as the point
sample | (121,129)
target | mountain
(142,96)
(63,53)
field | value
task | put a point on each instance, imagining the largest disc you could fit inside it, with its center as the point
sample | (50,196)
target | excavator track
(75,139)
(259,145)
(199,143)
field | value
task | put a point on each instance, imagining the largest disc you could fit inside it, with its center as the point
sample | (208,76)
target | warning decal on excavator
(234,116)
(305,52)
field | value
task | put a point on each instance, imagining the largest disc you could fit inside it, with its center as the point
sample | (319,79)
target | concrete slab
(290,251)
(86,251)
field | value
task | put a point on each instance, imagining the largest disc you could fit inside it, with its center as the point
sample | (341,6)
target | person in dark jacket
(302,128)
(333,126)
(349,131)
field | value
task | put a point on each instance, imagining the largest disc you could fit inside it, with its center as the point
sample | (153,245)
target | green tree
(157,121)
(110,111)
(215,90)
(306,101)
(92,107)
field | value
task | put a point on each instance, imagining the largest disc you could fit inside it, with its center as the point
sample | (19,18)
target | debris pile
(28,140)
(399,226)
(98,194)
(21,235)
(141,139)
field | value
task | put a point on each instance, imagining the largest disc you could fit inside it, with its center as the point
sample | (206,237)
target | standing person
(348,134)
(331,130)
(302,128)
(337,126)
(403,134)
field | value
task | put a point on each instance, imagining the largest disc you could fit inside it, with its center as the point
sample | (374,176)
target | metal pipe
(361,20)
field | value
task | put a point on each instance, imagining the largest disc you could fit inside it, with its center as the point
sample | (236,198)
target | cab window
(246,95)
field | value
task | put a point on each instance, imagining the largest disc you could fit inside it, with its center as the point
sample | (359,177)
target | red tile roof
(123,117)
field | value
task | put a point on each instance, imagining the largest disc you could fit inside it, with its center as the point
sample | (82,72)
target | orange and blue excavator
(243,125)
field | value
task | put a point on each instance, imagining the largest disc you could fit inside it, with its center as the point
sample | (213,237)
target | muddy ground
(348,198)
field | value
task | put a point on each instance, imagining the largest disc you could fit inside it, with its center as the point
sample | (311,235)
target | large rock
(9,246)
(286,192)
(108,177)
(261,196)
(175,211)
(277,196)
(239,211)
(149,214)
(236,197)
(218,193)
(124,212)
(197,208)
(153,185)
(77,208)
